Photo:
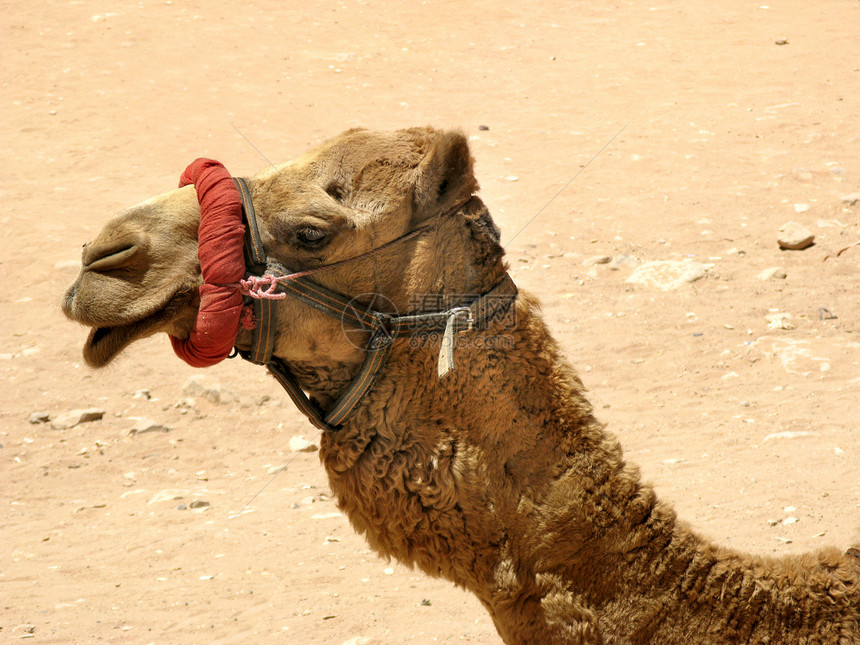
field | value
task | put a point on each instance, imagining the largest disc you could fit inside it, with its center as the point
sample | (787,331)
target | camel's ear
(444,178)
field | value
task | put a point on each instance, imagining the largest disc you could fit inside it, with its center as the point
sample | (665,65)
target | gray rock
(198,503)
(211,390)
(39,417)
(597,259)
(621,261)
(142,425)
(773,273)
(795,237)
(850,199)
(74,417)
(668,274)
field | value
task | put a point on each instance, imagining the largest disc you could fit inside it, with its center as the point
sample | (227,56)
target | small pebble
(39,417)
(773,273)
(794,237)
(668,275)
(198,503)
(597,259)
(143,425)
(209,389)
(74,417)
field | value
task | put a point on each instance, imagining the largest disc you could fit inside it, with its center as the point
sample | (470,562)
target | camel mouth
(103,344)
(106,342)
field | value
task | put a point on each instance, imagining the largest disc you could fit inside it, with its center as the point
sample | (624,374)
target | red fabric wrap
(220,249)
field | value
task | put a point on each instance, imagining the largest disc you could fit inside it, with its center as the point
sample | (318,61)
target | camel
(473,453)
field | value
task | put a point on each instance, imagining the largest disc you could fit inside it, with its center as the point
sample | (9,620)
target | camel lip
(104,343)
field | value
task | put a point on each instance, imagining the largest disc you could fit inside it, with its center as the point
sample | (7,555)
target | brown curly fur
(499,477)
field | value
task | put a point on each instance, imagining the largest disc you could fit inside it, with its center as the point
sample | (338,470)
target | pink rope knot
(254,285)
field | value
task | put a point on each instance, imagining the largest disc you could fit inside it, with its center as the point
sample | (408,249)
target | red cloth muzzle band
(222,262)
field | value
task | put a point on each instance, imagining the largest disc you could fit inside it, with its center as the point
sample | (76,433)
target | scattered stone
(850,199)
(779,321)
(39,417)
(300,444)
(597,259)
(168,495)
(512,178)
(483,128)
(74,417)
(146,395)
(198,503)
(142,425)
(781,41)
(789,520)
(830,223)
(668,275)
(773,273)
(801,208)
(182,507)
(794,237)
(425,602)
(24,631)
(622,260)
(274,470)
(331,538)
(211,390)
(389,571)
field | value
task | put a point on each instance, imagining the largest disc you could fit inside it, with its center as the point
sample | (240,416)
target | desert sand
(633,132)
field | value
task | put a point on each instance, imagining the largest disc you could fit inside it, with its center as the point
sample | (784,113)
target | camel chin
(103,344)
(107,338)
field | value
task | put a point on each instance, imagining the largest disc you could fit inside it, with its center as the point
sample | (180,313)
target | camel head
(343,199)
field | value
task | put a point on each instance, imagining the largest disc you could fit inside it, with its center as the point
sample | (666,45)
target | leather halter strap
(384,328)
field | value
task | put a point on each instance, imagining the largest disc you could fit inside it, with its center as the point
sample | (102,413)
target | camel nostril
(112,260)
(105,257)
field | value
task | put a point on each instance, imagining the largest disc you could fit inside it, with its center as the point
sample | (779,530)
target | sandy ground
(727,134)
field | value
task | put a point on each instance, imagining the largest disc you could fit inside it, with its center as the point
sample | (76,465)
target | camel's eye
(311,236)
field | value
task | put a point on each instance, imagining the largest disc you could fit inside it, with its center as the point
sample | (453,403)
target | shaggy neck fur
(500,479)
